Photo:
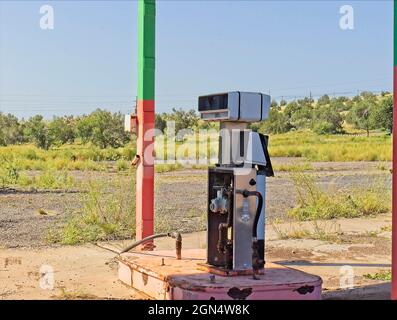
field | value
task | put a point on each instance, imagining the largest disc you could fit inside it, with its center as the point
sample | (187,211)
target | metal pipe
(174,235)
(142,241)
(178,244)
(228,224)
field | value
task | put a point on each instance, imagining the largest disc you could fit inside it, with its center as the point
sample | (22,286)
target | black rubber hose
(174,235)
(258,213)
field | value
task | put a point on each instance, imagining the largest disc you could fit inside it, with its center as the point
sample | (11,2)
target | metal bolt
(212,278)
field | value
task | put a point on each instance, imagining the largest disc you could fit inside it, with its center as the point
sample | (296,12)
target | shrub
(9,174)
(122,165)
(104,216)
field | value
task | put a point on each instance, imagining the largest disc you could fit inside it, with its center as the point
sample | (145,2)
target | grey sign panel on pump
(235,106)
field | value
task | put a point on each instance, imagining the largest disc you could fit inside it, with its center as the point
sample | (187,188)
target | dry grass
(314,203)
(341,148)
(317,230)
(108,213)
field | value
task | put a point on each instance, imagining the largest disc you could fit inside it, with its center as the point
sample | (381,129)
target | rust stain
(305,289)
(145,278)
(9,261)
(239,294)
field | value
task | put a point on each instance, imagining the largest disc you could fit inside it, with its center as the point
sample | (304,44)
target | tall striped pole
(394,184)
(145,119)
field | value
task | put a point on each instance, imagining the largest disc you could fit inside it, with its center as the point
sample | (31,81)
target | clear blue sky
(89,59)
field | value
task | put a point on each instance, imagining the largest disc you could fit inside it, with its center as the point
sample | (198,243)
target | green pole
(146,49)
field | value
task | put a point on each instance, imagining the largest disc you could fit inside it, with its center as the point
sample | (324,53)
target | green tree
(84,128)
(61,130)
(278,122)
(160,122)
(102,128)
(306,102)
(11,131)
(327,120)
(361,115)
(368,96)
(183,119)
(36,131)
(383,114)
(323,100)
(339,104)
(291,108)
(299,114)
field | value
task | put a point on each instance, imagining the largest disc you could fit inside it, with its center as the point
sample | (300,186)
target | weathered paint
(145,119)
(183,280)
(394,184)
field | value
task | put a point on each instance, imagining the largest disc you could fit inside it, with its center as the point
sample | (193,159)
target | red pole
(394,184)
(145,119)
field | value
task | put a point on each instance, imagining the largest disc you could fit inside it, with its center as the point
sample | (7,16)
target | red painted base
(161,276)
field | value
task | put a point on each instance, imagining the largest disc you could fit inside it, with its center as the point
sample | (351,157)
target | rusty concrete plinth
(161,276)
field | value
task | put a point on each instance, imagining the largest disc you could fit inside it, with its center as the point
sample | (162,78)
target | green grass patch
(318,230)
(66,157)
(293,167)
(12,177)
(49,179)
(314,203)
(341,147)
(382,276)
(108,213)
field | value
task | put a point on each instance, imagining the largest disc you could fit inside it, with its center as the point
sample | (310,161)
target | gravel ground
(21,225)
(180,199)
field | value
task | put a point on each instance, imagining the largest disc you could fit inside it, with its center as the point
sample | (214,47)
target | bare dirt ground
(89,272)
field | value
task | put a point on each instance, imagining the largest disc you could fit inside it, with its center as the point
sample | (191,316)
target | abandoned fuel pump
(236,185)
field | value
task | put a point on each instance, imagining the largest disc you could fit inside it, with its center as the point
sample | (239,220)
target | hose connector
(178,244)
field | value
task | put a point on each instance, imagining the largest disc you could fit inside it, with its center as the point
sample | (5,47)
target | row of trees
(102,128)
(324,116)
(105,129)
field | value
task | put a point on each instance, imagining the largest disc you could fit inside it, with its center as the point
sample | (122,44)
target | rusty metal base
(161,276)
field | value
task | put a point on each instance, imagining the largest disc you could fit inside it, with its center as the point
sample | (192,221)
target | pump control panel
(235,106)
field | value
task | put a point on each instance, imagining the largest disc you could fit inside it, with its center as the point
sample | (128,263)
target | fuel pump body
(236,185)
(234,253)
